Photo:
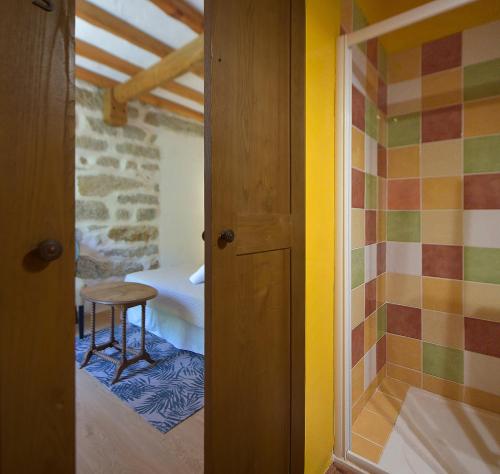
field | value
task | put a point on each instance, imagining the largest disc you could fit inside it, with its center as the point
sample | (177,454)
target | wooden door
(254,63)
(36,203)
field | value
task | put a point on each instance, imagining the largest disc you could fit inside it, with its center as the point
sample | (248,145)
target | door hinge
(44,4)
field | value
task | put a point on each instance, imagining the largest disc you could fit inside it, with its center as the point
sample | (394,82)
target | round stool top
(119,293)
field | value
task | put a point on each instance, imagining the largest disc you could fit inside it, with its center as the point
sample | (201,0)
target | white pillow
(198,276)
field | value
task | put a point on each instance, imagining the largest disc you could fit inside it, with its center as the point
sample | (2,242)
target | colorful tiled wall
(368,238)
(443,216)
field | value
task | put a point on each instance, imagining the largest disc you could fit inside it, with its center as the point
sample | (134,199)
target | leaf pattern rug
(165,393)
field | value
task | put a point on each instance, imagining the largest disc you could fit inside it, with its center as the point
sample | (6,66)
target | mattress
(177,296)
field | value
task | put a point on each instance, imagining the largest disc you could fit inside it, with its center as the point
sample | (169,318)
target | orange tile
(357,381)
(373,427)
(480,399)
(404,351)
(384,405)
(443,387)
(366,449)
(357,408)
(370,331)
(443,329)
(409,376)
(358,148)
(482,117)
(394,387)
(442,89)
(404,65)
(440,294)
(442,193)
(403,162)
(403,289)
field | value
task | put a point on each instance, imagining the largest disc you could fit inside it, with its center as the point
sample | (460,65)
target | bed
(177,313)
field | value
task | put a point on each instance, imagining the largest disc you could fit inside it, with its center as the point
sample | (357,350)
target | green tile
(371,194)
(482,264)
(382,61)
(381,321)
(443,362)
(371,120)
(357,267)
(482,154)
(403,226)
(404,130)
(482,80)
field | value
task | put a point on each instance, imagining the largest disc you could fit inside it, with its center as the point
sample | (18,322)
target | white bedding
(177,313)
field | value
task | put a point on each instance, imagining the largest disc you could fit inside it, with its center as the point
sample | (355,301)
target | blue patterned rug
(165,393)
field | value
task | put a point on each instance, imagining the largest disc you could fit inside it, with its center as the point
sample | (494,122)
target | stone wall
(118,185)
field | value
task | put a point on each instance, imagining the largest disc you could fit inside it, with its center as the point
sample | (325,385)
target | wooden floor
(113,438)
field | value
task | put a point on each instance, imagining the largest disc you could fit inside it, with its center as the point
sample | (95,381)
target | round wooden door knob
(50,250)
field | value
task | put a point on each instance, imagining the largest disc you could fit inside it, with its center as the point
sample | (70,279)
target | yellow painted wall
(322,27)
(459,19)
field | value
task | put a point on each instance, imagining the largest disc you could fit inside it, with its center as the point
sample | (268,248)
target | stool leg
(112,326)
(89,353)
(81,321)
(123,362)
(144,354)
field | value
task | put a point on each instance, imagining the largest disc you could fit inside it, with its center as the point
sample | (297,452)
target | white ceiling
(147,17)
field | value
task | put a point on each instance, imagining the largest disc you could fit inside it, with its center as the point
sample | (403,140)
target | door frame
(297,159)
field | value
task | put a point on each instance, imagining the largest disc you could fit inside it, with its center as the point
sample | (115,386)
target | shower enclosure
(418,246)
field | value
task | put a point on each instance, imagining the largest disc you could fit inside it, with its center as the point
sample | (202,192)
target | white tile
(359,68)
(403,257)
(434,435)
(404,90)
(370,366)
(371,155)
(482,228)
(370,262)
(482,372)
(481,43)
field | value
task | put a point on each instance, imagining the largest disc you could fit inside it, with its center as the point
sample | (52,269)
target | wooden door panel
(253,186)
(36,203)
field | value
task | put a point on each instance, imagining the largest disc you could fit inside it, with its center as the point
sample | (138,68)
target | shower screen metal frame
(343,454)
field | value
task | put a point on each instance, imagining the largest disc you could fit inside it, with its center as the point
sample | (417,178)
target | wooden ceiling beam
(103,57)
(168,68)
(107,83)
(102,19)
(182,11)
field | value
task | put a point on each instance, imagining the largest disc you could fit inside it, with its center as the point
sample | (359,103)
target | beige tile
(373,427)
(404,65)
(358,149)
(357,228)
(442,193)
(357,306)
(440,294)
(403,289)
(403,162)
(480,399)
(442,158)
(443,329)
(482,372)
(372,82)
(357,380)
(395,388)
(404,351)
(370,331)
(366,449)
(442,387)
(442,89)
(409,376)
(482,301)
(482,117)
(481,43)
(443,227)
(384,405)
(404,97)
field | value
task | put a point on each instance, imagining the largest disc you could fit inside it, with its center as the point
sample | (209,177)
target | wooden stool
(124,295)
